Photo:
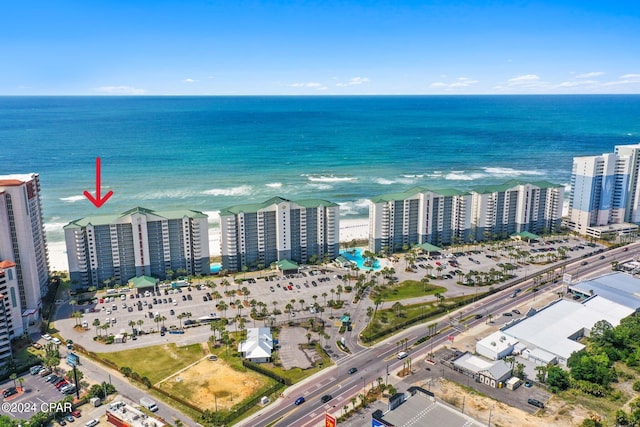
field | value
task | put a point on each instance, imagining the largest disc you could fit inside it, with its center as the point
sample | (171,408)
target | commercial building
(551,334)
(258,346)
(419,407)
(256,235)
(442,217)
(22,238)
(605,195)
(6,332)
(120,414)
(111,249)
(494,373)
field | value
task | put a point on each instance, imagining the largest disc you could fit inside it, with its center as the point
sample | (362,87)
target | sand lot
(206,382)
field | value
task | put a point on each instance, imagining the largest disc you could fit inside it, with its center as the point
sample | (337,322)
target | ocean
(208,153)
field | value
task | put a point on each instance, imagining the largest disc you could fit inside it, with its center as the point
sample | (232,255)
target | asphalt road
(375,362)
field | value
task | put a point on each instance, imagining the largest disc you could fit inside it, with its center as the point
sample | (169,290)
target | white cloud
(576,83)
(189,81)
(120,90)
(524,79)
(630,76)
(458,83)
(354,81)
(311,85)
(590,75)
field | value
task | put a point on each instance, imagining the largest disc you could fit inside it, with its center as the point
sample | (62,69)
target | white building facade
(444,217)
(112,249)
(605,195)
(22,237)
(256,235)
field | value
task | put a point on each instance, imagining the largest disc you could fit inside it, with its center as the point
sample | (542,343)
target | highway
(376,361)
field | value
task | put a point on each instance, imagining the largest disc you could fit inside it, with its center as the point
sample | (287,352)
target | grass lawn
(385,321)
(410,289)
(165,359)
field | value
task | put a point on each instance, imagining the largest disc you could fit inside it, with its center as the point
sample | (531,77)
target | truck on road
(149,404)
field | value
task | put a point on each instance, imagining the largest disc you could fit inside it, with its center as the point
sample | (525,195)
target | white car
(56,341)
(47,337)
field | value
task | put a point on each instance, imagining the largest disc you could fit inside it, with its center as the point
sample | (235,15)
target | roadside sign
(329,421)
(566,278)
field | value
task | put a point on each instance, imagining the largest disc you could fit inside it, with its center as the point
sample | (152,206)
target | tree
(96,324)
(558,378)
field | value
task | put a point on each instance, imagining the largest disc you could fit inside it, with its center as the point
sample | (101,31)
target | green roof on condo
(107,219)
(416,190)
(255,207)
(484,189)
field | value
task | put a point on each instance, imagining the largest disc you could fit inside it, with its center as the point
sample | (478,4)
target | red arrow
(98,201)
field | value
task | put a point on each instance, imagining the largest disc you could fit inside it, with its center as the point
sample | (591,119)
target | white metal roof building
(496,346)
(617,287)
(557,327)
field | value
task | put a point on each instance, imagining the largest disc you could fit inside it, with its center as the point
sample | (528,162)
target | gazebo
(143,283)
(524,235)
(286,266)
(428,248)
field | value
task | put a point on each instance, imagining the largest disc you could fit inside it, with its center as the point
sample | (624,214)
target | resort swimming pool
(355,255)
(215,268)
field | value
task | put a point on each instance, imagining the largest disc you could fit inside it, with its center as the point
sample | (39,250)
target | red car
(76,414)
(625,249)
(61,384)
(290,287)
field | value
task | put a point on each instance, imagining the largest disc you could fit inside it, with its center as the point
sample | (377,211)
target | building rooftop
(420,409)
(13,180)
(553,327)
(259,343)
(255,207)
(620,288)
(107,219)
(131,416)
(498,341)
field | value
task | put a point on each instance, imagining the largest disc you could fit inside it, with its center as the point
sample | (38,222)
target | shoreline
(350,229)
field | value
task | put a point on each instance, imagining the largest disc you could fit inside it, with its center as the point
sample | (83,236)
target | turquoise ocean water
(207,153)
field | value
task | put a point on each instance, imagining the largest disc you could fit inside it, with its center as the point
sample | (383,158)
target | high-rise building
(443,217)
(16,321)
(22,237)
(400,220)
(605,195)
(111,249)
(256,235)
(514,207)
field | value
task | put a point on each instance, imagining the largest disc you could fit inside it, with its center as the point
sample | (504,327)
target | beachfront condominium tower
(605,195)
(256,235)
(111,249)
(13,322)
(515,207)
(22,238)
(399,221)
(444,217)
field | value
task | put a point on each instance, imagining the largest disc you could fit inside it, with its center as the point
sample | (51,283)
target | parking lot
(38,396)
(197,303)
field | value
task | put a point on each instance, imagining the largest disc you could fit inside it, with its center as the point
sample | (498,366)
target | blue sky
(323,47)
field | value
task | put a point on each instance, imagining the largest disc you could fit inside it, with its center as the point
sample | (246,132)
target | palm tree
(21,382)
(96,324)
(132,323)
(140,323)
(180,317)
(339,291)
(324,295)
(301,301)
(222,306)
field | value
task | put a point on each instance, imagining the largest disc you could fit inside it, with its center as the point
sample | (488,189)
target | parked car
(535,402)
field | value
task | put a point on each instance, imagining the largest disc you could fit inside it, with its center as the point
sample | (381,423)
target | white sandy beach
(349,229)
